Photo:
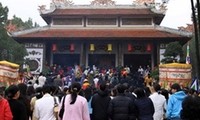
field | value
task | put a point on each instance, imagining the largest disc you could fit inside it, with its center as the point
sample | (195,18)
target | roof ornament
(145,2)
(62,3)
(42,8)
(103,3)
(158,6)
(188,28)
(163,7)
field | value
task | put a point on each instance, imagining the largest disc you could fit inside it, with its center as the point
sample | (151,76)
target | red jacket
(5,112)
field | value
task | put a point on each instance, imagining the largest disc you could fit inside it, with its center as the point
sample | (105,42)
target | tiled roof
(99,33)
(90,11)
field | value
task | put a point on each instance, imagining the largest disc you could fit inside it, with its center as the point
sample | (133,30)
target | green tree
(3,15)
(3,19)
(173,50)
(10,50)
(36,25)
(23,25)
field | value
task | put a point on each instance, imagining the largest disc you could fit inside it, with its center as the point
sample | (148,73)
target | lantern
(149,48)
(54,47)
(92,47)
(72,47)
(130,47)
(109,47)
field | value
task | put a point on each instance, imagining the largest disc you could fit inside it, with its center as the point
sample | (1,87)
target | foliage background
(11,50)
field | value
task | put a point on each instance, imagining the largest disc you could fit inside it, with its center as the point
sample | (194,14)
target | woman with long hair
(75,106)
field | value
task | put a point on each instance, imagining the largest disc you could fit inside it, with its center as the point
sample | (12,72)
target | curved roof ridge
(32,30)
(42,9)
(176,31)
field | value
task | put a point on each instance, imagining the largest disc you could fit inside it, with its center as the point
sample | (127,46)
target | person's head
(175,88)
(38,92)
(88,93)
(147,91)
(29,83)
(55,90)
(192,92)
(103,86)
(66,90)
(156,87)
(75,89)
(46,89)
(23,88)
(140,92)
(165,93)
(121,88)
(30,90)
(41,74)
(126,85)
(148,75)
(58,76)
(85,81)
(132,88)
(13,92)
(191,108)
(186,90)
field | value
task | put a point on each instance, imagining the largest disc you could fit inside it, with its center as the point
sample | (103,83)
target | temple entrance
(136,60)
(101,60)
(66,59)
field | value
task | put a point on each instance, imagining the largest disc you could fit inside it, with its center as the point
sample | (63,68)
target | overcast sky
(178,13)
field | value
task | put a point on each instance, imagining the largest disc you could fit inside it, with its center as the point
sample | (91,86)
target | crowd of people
(64,76)
(94,94)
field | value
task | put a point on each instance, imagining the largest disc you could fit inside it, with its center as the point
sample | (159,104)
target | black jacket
(18,109)
(121,108)
(100,103)
(145,108)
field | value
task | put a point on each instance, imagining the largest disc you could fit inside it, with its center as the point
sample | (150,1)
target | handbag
(62,108)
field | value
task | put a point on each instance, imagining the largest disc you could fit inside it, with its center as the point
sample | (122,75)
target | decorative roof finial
(62,3)
(145,1)
(103,3)
(42,8)
(158,6)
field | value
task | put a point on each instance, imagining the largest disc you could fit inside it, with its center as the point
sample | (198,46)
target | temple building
(103,34)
